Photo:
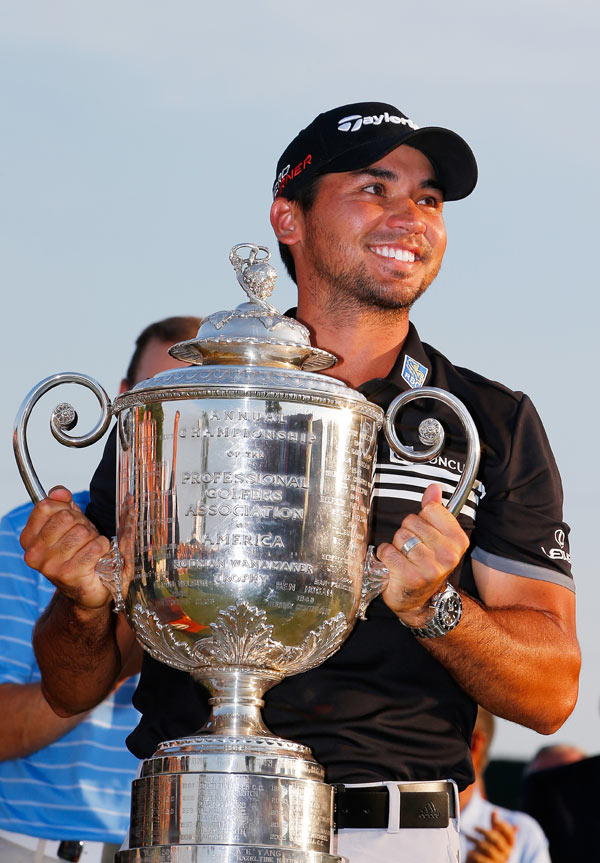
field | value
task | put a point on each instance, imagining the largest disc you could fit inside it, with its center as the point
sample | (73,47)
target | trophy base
(223,854)
(230,799)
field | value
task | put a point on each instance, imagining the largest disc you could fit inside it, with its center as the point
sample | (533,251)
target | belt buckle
(424,809)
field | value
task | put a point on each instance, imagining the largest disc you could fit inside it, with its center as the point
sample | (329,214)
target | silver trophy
(243,492)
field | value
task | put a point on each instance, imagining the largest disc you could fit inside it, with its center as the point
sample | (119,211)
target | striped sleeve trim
(526,570)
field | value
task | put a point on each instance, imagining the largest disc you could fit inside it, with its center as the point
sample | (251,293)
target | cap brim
(450,155)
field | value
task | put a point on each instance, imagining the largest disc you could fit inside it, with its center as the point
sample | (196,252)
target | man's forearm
(27,722)
(77,653)
(520,663)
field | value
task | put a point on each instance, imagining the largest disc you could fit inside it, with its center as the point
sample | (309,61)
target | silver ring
(410,544)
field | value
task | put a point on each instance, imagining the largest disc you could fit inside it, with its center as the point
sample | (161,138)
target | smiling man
(477,610)
(358,213)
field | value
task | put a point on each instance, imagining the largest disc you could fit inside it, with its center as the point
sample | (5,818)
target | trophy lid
(255,333)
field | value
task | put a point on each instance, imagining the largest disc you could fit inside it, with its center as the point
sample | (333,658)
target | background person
(491,833)
(358,207)
(65,778)
(559,791)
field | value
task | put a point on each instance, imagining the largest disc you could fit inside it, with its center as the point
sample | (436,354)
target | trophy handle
(431,434)
(62,420)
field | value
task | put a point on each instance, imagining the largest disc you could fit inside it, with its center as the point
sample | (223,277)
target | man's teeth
(398,254)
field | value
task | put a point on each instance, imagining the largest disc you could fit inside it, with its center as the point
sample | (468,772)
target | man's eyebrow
(378,173)
(386,174)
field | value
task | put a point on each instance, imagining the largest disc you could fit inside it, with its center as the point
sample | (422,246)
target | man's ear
(286,221)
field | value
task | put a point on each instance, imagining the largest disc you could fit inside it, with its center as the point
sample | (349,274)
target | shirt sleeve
(519,527)
(23,594)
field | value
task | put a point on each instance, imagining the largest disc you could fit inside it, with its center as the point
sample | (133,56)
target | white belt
(40,848)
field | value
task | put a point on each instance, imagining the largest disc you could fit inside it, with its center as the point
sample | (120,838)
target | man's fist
(62,544)
(417,575)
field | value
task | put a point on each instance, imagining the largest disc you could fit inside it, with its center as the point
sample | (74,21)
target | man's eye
(430,201)
(374,189)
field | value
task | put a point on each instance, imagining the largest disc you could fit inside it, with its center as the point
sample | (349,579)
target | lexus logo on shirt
(558,553)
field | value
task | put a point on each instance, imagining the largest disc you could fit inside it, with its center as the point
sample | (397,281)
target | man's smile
(397,253)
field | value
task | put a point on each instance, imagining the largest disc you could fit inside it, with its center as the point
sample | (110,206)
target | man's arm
(516,651)
(82,654)
(79,646)
(28,722)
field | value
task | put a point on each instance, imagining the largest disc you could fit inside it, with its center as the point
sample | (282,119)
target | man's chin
(398,296)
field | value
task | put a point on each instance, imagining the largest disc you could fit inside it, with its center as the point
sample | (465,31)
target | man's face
(376,237)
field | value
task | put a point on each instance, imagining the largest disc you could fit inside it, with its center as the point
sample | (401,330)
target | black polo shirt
(382,707)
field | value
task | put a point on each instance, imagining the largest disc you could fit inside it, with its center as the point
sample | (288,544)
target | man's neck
(367,345)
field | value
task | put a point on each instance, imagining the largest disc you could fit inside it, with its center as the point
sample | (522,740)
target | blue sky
(138,143)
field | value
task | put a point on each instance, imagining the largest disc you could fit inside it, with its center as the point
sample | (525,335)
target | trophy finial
(254,333)
(255,275)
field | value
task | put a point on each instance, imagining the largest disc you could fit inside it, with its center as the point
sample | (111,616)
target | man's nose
(405,213)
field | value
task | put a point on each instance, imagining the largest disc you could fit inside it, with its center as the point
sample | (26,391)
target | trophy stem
(236,700)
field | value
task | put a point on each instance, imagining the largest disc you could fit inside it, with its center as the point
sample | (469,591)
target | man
(489,833)
(64,783)
(358,207)
(559,791)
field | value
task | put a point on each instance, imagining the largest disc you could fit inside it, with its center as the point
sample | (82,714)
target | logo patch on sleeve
(413,372)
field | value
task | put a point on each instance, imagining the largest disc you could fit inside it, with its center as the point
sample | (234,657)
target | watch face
(449,611)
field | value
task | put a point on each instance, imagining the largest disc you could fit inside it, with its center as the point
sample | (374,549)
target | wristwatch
(446,606)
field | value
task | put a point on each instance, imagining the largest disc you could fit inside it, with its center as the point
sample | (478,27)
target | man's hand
(414,578)
(495,844)
(62,544)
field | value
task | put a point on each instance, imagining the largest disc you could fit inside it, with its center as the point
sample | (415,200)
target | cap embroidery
(354,122)
(288,173)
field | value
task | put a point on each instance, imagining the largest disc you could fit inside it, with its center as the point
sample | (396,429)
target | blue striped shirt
(79,786)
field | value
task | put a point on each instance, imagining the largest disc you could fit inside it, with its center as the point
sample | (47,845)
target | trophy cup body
(249,497)
(243,495)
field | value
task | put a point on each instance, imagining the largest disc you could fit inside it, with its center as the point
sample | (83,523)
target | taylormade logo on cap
(353,136)
(355,121)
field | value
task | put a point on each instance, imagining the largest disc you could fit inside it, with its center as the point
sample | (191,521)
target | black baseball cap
(354,136)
